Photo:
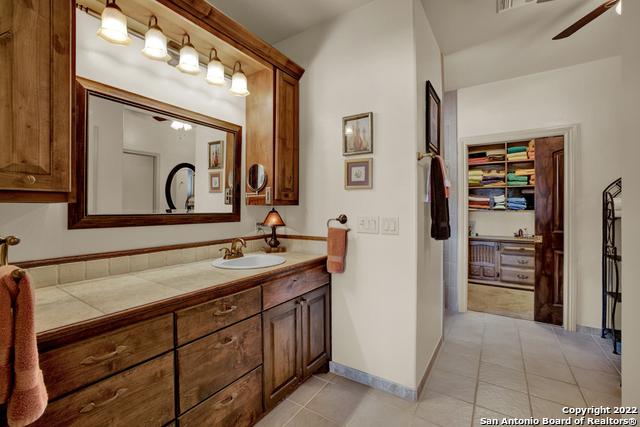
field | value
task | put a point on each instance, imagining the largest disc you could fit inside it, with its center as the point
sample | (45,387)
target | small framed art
(433,120)
(358,174)
(216,155)
(357,134)
(215,182)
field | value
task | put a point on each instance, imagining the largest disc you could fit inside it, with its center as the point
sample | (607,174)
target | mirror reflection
(145,162)
(257,177)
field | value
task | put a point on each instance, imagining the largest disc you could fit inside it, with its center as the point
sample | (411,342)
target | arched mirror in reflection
(179,188)
(257,177)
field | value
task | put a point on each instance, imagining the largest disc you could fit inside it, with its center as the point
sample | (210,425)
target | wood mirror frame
(78,218)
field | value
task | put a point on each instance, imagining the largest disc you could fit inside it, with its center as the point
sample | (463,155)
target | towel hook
(5,242)
(342,219)
(421,156)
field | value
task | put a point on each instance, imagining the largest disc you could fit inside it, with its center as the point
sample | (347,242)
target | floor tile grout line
(475,392)
(606,356)
(300,408)
(564,356)
(524,366)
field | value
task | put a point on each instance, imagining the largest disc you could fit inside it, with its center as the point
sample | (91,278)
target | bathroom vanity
(222,353)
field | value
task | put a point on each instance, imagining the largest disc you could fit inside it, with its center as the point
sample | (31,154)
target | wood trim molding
(78,217)
(140,251)
(217,23)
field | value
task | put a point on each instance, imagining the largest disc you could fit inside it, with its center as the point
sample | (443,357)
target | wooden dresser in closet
(502,261)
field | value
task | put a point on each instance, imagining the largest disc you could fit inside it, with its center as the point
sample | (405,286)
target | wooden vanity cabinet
(297,343)
(35,100)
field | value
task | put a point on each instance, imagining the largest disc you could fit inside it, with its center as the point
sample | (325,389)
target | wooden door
(286,143)
(282,329)
(316,328)
(35,95)
(549,201)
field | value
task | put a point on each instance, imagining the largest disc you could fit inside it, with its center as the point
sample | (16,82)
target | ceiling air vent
(511,4)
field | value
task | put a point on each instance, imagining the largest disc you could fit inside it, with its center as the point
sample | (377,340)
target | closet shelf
(497,162)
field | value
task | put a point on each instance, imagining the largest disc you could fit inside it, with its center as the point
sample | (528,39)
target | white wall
(364,60)
(430,298)
(631,194)
(497,223)
(575,95)
(43,227)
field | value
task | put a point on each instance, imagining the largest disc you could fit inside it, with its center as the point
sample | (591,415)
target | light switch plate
(368,224)
(389,225)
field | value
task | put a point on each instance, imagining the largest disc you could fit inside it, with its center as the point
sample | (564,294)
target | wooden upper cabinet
(286,142)
(35,97)
(272,136)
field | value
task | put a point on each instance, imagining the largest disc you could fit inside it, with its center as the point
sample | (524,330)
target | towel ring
(342,219)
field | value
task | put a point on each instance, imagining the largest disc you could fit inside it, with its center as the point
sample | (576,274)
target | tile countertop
(64,305)
(503,239)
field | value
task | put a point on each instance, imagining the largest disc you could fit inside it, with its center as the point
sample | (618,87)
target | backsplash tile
(157,259)
(174,257)
(97,268)
(138,262)
(189,255)
(44,276)
(202,253)
(119,265)
(71,272)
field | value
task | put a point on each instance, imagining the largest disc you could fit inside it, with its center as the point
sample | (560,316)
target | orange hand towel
(22,384)
(336,249)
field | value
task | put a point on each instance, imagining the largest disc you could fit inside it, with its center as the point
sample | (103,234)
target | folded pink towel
(21,384)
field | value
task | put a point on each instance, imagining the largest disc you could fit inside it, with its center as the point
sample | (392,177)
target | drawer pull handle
(227,342)
(523,276)
(225,311)
(227,401)
(91,406)
(29,179)
(523,261)
(95,359)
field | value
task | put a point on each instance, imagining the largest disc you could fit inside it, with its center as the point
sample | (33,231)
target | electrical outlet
(389,225)
(368,224)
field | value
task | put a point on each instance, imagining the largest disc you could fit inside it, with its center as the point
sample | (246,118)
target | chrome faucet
(236,249)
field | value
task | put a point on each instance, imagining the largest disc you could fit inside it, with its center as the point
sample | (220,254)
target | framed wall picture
(216,155)
(433,120)
(358,174)
(357,134)
(215,182)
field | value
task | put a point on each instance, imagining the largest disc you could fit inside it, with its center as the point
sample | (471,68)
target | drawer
(516,275)
(518,248)
(475,271)
(141,396)
(73,366)
(289,287)
(200,320)
(520,261)
(489,273)
(207,365)
(238,405)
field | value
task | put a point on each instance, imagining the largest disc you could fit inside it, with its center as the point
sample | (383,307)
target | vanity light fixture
(113,26)
(176,125)
(155,42)
(619,8)
(238,81)
(189,60)
(215,69)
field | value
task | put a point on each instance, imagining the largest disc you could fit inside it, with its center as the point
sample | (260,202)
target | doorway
(527,275)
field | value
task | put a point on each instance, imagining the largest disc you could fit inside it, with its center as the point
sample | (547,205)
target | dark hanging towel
(440,228)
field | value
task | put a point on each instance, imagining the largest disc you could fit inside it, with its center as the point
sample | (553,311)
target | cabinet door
(316,330)
(35,95)
(286,142)
(282,331)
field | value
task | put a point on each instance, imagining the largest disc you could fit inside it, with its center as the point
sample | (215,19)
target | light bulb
(239,82)
(155,42)
(189,60)
(215,69)
(619,8)
(113,25)
(176,125)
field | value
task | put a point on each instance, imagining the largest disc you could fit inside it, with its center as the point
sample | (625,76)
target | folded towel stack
(478,157)
(486,178)
(531,150)
(517,153)
(525,172)
(514,180)
(479,202)
(498,202)
(517,203)
(475,176)
(496,154)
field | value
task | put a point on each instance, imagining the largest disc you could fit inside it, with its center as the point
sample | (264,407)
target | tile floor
(488,366)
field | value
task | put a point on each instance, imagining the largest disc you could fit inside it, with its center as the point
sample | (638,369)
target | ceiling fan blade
(586,19)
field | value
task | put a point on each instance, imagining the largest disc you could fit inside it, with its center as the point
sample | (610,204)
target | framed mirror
(143,162)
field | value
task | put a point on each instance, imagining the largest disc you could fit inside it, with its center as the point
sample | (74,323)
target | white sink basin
(248,262)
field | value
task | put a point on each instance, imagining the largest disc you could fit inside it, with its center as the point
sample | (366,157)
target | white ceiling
(276,20)
(481,45)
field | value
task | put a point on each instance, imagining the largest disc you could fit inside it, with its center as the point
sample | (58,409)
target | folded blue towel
(517,200)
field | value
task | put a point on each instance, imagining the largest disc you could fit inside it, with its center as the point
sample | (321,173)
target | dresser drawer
(141,396)
(520,261)
(517,249)
(289,287)
(207,365)
(238,405)
(203,319)
(73,366)
(515,275)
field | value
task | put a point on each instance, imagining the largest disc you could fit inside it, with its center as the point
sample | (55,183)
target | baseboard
(373,381)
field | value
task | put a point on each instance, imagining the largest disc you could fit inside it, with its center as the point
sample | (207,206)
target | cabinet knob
(29,179)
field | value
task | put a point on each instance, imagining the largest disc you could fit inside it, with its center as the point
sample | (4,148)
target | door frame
(571,134)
